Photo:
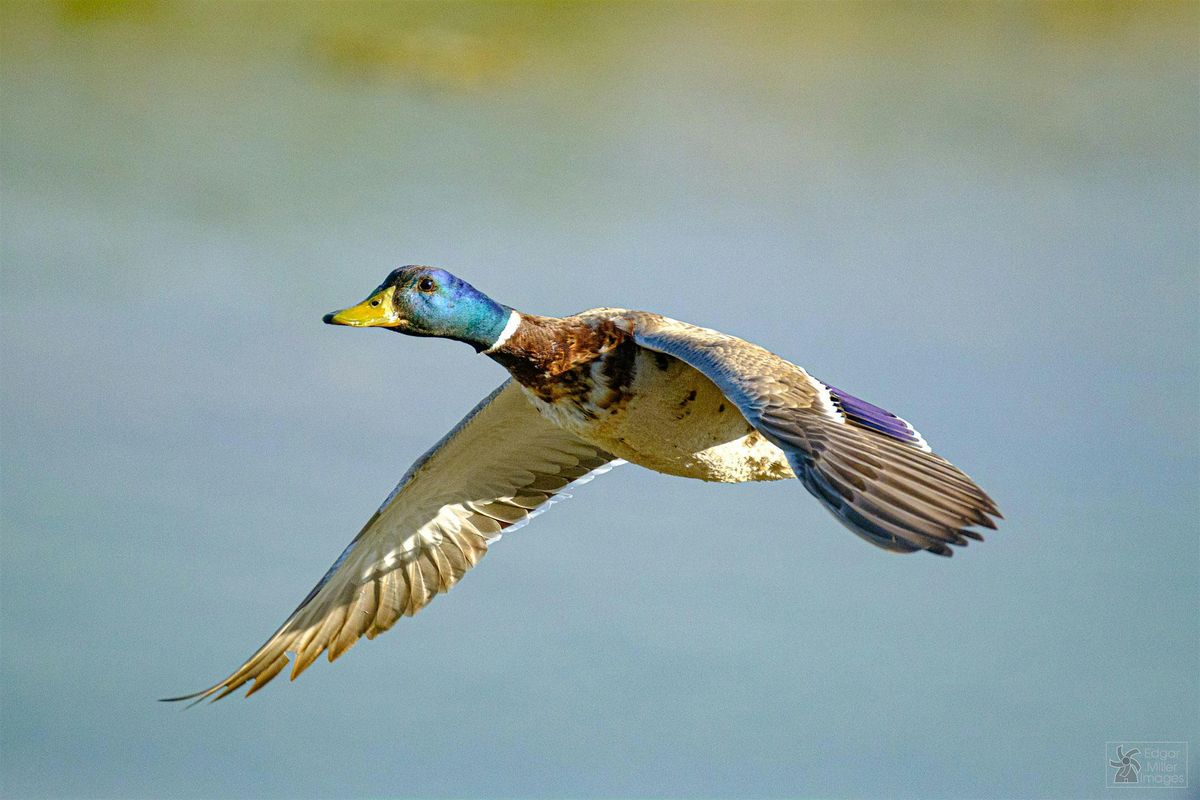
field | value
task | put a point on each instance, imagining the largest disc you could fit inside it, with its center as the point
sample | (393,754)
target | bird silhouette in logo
(1127,766)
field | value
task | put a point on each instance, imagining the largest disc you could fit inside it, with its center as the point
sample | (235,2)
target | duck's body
(588,375)
(588,392)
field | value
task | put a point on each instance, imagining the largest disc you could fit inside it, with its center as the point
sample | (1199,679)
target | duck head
(426,301)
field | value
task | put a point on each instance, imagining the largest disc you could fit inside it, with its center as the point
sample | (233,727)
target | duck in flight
(586,393)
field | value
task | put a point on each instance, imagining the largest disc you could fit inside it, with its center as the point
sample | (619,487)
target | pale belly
(670,419)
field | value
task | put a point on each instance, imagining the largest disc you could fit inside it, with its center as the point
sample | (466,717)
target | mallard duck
(586,393)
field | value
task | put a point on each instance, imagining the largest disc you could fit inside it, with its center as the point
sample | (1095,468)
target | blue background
(983,217)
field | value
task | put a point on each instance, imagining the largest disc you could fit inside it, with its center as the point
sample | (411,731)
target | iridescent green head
(427,301)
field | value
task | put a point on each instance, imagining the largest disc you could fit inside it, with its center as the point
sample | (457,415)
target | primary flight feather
(588,392)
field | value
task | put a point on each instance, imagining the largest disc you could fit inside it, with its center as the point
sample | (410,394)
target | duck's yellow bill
(376,311)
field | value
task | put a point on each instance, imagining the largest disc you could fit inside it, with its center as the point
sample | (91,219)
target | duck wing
(498,468)
(866,465)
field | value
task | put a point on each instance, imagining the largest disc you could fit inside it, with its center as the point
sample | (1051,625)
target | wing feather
(499,467)
(872,469)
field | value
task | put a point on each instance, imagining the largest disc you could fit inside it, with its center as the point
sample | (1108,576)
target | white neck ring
(510,327)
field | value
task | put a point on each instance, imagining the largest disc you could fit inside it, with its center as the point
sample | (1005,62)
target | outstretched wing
(866,465)
(497,469)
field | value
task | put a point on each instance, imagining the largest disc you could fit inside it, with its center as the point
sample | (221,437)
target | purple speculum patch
(871,416)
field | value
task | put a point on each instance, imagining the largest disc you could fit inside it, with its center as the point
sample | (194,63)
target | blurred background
(982,216)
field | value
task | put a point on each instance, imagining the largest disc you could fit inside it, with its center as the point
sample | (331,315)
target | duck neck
(477,320)
(512,321)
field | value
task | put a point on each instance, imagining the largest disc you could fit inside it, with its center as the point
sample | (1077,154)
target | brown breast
(563,359)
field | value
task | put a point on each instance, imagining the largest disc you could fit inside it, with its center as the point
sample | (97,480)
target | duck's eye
(426,285)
